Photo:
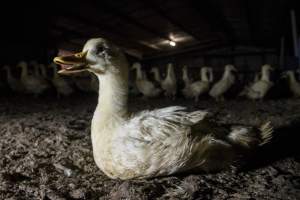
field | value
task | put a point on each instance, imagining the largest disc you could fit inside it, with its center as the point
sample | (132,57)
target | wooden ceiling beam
(184,51)
(106,7)
(104,29)
(171,20)
(215,17)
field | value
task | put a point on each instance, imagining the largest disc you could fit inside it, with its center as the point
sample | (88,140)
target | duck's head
(206,72)
(205,69)
(136,66)
(267,67)
(22,64)
(230,68)
(169,65)
(98,56)
(153,70)
(287,74)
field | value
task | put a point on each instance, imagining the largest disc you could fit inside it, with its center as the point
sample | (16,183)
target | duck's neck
(265,75)
(112,101)
(139,74)
(211,75)
(226,74)
(170,72)
(292,78)
(204,76)
(24,72)
(185,76)
(156,75)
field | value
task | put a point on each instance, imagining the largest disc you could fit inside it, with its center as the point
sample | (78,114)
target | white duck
(260,88)
(185,76)
(62,87)
(186,90)
(40,73)
(198,88)
(146,87)
(169,84)
(293,83)
(14,84)
(246,88)
(152,143)
(43,71)
(224,84)
(32,84)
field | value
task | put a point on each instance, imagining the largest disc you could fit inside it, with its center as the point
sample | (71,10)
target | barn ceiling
(145,28)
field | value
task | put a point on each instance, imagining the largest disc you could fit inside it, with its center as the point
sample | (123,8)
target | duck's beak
(73,63)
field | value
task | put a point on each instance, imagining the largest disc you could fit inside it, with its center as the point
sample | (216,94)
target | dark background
(205,30)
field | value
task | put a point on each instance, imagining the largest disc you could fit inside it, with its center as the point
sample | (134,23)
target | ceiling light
(172,43)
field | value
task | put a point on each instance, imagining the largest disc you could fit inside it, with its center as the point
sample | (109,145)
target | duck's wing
(217,89)
(160,138)
(163,126)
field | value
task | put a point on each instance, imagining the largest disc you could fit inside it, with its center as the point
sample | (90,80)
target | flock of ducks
(34,79)
(255,90)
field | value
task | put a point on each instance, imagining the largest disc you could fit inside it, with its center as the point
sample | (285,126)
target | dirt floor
(46,153)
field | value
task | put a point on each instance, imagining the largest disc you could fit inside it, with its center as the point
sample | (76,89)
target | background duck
(159,142)
(224,84)
(294,85)
(169,84)
(187,82)
(14,84)
(62,87)
(185,76)
(260,88)
(246,88)
(31,83)
(40,73)
(43,71)
(200,87)
(146,87)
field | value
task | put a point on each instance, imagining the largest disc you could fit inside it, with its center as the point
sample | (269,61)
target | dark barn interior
(238,60)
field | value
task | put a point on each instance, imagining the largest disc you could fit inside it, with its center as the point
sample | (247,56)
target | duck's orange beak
(72,64)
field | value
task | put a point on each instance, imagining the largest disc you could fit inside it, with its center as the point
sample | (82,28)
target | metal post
(294,32)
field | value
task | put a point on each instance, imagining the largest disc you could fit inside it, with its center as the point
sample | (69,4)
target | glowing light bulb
(172,43)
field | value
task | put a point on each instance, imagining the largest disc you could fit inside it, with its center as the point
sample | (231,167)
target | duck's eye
(100,50)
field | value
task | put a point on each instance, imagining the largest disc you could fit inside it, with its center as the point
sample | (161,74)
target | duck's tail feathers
(266,133)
